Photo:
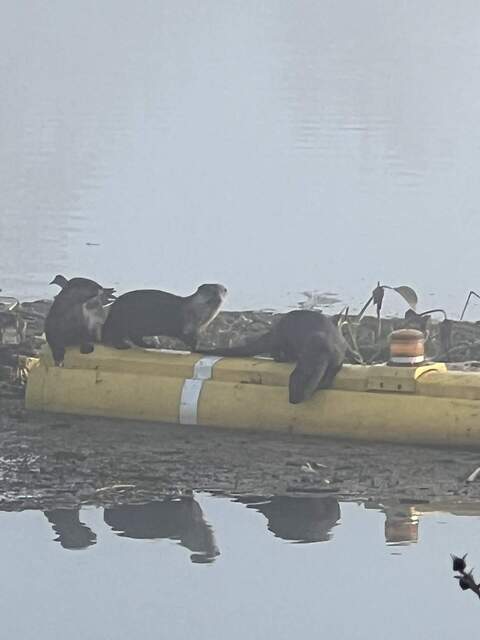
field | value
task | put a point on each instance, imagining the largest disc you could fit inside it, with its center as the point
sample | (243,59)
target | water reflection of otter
(174,519)
(300,519)
(72,534)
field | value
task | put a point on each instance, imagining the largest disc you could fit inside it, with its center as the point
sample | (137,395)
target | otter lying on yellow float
(409,401)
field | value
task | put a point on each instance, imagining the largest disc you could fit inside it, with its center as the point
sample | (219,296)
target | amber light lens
(407,343)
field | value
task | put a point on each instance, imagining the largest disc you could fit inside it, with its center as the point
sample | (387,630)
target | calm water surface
(213,568)
(276,147)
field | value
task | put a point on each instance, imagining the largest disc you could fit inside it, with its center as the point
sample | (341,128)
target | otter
(306,337)
(150,312)
(75,319)
(61,281)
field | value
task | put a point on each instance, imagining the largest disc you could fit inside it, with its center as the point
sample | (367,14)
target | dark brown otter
(306,337)
(61,281)
(75,319)
(149,312)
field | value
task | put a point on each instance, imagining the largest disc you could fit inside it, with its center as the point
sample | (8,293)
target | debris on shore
(21,336)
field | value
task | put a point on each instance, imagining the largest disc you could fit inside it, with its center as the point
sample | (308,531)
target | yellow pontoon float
(421,403)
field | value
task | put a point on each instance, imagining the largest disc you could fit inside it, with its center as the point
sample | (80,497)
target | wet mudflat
(212,567)
(121,529)
(52,461)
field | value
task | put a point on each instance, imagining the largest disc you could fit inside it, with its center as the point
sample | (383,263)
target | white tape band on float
(407,359)
(192,387)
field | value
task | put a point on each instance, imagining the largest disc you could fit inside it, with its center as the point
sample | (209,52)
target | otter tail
(261,345)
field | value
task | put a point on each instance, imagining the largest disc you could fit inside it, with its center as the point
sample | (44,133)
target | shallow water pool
(218,568)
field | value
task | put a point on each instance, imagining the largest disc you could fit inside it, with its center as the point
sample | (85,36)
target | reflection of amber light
(401,531)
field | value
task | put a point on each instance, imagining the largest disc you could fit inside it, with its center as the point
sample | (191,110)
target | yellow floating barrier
(420,404)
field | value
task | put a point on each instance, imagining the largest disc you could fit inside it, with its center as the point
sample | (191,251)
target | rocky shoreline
(21,335)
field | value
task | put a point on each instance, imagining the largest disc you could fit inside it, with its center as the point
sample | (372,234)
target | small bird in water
(107,296)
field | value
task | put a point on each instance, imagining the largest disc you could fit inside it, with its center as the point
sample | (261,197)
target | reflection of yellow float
(418,404)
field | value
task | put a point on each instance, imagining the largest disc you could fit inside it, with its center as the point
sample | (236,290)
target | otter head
(203,307)
(209,297)
(211,293)
(311,367)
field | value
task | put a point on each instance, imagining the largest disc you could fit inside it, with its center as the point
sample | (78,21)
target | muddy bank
(53,461)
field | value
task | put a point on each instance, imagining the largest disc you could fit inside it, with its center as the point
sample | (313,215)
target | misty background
(274,147)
